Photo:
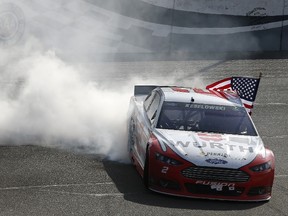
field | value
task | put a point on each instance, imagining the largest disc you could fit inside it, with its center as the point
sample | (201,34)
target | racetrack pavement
(37,180)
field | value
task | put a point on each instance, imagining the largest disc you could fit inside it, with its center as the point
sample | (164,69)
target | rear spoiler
(143,89)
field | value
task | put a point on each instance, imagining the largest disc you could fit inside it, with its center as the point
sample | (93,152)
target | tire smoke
(45,101)
(46,98)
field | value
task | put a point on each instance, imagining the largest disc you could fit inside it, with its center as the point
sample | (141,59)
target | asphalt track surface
(37,180)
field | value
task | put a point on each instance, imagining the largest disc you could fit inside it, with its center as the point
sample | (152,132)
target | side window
(148,101)
(152,109)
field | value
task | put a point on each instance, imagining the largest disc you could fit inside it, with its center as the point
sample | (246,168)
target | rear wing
(143,89)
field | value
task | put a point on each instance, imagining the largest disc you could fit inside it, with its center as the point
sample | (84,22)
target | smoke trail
(45,100)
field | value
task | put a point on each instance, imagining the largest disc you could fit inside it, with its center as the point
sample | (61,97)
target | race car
(198,143)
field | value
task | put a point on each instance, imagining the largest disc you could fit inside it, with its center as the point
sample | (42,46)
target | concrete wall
(200,25)
(148,26)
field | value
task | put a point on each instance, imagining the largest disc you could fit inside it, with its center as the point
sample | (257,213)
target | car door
(146,123)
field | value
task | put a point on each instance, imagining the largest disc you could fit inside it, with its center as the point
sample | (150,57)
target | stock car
(198,143)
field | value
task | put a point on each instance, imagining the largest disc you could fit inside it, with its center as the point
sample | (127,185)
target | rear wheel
(146,169)
(131,136)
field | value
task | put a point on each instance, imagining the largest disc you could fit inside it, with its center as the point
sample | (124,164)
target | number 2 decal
(164,169)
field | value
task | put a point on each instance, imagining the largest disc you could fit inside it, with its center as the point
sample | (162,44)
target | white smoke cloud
(46,100)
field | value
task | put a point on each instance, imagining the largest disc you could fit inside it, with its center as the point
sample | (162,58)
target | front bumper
(244,186)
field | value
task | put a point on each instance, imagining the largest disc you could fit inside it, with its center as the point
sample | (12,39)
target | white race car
(198,143)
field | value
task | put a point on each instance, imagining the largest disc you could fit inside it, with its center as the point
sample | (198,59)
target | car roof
(202,96)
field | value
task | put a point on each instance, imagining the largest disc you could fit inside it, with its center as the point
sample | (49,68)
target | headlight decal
(261,167)
(166,159)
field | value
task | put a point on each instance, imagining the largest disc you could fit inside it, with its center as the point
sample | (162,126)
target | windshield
(205,118)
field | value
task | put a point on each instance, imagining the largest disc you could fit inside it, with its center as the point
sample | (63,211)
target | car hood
(211,149)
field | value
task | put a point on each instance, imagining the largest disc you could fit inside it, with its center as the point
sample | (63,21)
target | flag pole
(260,75)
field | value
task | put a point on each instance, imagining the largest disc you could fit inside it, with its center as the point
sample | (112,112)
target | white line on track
(281,176)
(277,104)
(50,186)
(75,185)
(271,104)
(276,137)
(47,188)
(84,194)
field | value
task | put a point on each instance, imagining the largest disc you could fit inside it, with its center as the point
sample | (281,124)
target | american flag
(246,88)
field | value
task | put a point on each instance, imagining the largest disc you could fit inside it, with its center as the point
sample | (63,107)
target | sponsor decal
(224,155)
(217,185)
(210,137)
(258,11)
(205,106)
(216,161)
(185,145)
(214,145)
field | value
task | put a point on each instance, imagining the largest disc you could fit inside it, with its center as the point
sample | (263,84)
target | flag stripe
(219,84)
(248,106)
(249,103)
(228,86)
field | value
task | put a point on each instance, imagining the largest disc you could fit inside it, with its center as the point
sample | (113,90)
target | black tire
(131,138)
(146,169)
